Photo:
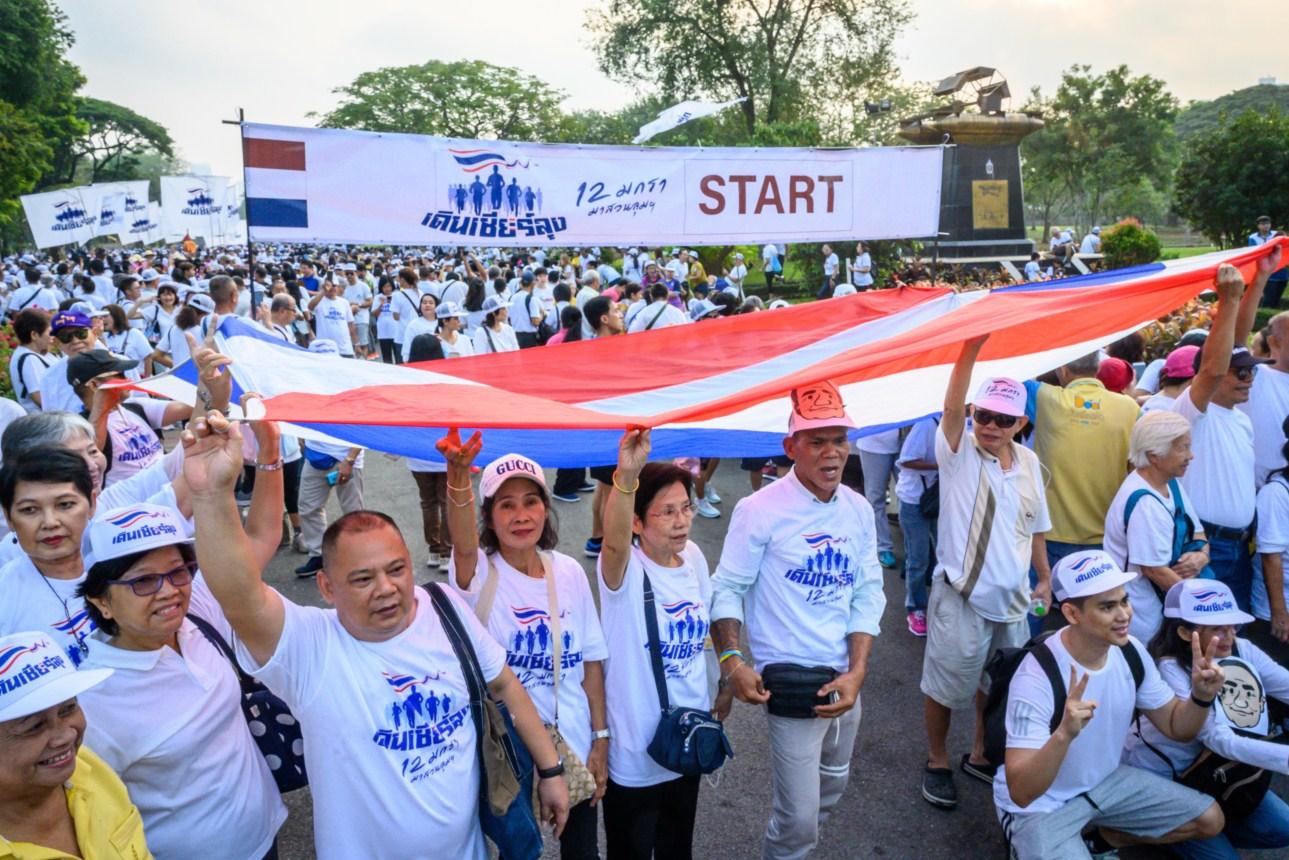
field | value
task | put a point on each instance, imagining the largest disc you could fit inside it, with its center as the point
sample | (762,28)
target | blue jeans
(1229,560)
(919,555)
(1265,827)
(877,479)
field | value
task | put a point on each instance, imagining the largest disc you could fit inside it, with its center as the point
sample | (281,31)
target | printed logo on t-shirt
(682,637)
(78,626)
(137,445)
(422,718)
(825,570)
(531,651)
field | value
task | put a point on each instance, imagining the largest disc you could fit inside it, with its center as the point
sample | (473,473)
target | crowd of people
(1095,562)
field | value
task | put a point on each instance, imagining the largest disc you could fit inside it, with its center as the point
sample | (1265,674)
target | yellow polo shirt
(1081,436)
(108,826)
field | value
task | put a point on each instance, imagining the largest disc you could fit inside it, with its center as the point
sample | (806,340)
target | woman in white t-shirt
(647,523)
(156,312)
(451,317)
(537,603)
(426,323)
(172,350)
(382,310)
(123,339)
(494,334)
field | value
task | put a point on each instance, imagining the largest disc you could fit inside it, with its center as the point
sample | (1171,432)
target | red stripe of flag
(274,154)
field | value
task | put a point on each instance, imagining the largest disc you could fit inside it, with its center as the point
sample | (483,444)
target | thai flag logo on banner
(277,187)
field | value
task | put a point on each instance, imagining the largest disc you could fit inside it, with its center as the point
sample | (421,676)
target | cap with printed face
(68,319)
(136,528)
(504,468)
(1207,602)
(1003,395)
(817,405)
(1087,572)
(35,674)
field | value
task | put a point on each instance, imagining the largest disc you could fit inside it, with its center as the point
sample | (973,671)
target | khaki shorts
(959,642)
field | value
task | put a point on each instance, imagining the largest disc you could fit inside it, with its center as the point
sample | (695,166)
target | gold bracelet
(465,504)
(466,489)
(623,490)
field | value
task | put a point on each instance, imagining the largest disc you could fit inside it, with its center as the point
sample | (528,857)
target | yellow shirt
(1081,435)
(108,826)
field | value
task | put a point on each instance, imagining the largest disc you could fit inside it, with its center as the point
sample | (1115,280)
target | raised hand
(1207,677)
(212,455)
(1078,713)
(633,453)
(459,455)
(1269,263)
(1229,282)
(211,364)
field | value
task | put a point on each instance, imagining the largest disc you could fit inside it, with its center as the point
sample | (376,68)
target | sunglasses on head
(984,416)
(67,335)
(1244,374)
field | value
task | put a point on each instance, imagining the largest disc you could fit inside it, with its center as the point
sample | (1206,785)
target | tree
(111,149)
(792,60)
(466,99)
(1199,117)
(1042,164)
(1233,174)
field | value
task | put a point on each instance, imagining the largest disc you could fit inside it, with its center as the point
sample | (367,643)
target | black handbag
(929,501)
(274,729)
(794,690)
(687,741)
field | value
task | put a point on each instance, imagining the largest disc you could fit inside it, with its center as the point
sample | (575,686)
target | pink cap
(1003,395)
(1180,363)
(817,405)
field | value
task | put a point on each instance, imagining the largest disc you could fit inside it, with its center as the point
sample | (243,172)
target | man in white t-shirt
(1063,770)
(359,295)
(831,265)
(74,332)
(361,677)
(525,312)
(737,274)
(770,264)
(993,514)
(799,567)
(33,295)
(659,313)
(333,318)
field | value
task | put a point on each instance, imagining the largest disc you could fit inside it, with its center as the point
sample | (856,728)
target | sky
(191,65)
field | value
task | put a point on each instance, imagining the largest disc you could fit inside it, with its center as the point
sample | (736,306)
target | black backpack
(1003,665)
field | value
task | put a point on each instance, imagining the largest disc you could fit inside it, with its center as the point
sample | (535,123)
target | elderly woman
(57,798)
(538,604)
(1149,527)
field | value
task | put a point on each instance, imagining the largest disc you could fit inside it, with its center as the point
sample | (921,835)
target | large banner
(193,205)
(64,217)
(327,185)
(144,228)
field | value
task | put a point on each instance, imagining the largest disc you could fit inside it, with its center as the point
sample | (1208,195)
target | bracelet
(622,489)
(728,653)
(1201,702)
(275,466)
(467,503)
(551,772)
(466,489)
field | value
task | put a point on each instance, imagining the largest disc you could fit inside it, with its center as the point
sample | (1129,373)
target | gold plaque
(989,204)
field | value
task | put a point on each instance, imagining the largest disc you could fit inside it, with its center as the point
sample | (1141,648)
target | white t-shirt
(486,340)
(34,602)
(769,254)
(1267,406)
(1272,537)
(1148,540)
(33,369)
(1161,402)
(886,442)
(544,294)
(357,293)
(1091,244)
(681,598)
(56,394)
(664,312)
(32,296)
(133,440)
(861,278)
(386,325)
(133,345)
(1151,375)
(332,318)
(523,307)
(1094,754)
(521,621)
(1001,592)
(192,767)
(416,327)
(462,348)
(388,734)
(806,572)
(1220,479)
(738,273)
(174,343)
(919,444)
(1033,271)
(830,265)
(406,303)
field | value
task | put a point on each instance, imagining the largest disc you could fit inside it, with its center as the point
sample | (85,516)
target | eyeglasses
(985,417)
(670,512)
(150,583)
(67,335)
(1244,374)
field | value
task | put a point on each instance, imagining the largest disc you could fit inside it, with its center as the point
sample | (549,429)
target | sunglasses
(1244,374)
(150,583)
(67,335)
(984,417)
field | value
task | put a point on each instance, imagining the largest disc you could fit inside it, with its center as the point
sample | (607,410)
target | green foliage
(1129,244)
(113,147)
(1233,174)
(1201,117)
(465,99)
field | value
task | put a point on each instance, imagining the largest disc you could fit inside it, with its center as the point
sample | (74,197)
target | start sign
(752,196)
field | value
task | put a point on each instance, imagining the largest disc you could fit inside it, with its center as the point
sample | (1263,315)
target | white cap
(88,309)
(35,674)
(1204,601)
(817,405)
(844,290)
(135,528)
(202,302)
(504,468)
(450,309)
(778,303)
(1003,395)
(492,303)
(702,308)
(1089,571)
(324,346)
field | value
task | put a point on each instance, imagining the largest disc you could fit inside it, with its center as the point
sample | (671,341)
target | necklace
(81,647)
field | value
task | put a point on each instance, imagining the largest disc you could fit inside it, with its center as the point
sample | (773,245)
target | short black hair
(29,323)
(103,573)
(44,465)
(656,477)
(595,310)
(354,522)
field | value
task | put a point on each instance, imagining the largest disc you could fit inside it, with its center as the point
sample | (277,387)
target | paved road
(880,815)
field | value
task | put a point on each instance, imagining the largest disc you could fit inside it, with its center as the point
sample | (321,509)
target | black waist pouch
(794,690)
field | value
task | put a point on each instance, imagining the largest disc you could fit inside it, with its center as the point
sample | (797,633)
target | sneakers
(983,772)
(310,568)
(593,547)
(886,558)
(705,508)
(297,544)
(938,789)
(587,487)
(566,497)
(917,623)
(434,561)
(711,497)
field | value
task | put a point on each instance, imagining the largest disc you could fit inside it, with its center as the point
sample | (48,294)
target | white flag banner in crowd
(145,228)
(63,217)
(135,191)
(111,213)
(330,185)
(193,205)
(678,115)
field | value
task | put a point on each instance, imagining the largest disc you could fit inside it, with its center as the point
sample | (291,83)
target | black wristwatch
(551,772)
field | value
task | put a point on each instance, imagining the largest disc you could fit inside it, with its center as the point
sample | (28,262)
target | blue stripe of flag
(276,212)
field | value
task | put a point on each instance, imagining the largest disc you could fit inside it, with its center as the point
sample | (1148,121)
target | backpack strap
(465,655)
(25,392)
(655,644)
(1133,658)
(1047,662)
(247,683)
(657,316)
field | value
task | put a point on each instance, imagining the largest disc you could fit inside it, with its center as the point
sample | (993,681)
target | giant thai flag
(717,388)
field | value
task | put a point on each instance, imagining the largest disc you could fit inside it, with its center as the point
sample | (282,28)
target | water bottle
(1037,607)
(333,476)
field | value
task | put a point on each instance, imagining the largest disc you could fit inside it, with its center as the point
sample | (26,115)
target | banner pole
(250,247)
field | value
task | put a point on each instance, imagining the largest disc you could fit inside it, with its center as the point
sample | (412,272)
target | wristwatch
(601,735)
(551,772)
